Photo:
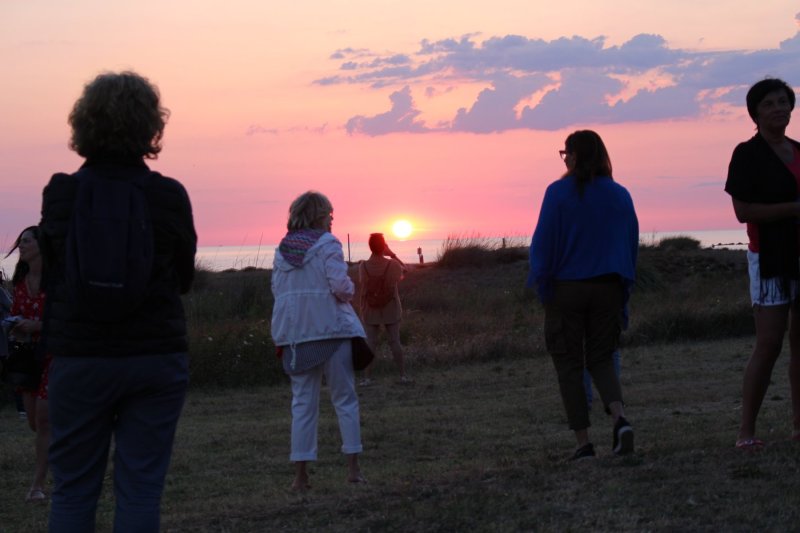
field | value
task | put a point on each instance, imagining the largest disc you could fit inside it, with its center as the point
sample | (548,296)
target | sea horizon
(232,257)
(219,258)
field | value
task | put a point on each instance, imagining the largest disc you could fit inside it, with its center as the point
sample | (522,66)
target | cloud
(538,84)
(378,62)
(349,52)
(579,98)
(256,129)
(401,118)
(494,109)
(432,92)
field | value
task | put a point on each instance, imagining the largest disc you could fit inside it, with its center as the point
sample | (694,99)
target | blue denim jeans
(138,400)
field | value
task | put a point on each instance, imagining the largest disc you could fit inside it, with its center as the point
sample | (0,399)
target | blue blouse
(583,236)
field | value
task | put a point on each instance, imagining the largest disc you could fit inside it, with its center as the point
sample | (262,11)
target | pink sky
(448,114)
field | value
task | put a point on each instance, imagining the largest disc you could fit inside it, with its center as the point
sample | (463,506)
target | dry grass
(477,447)
(458,251)
(478,442)
(472,307)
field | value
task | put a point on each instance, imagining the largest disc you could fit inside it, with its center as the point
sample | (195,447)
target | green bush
(228,317)
(221,296)
(676,324)
(679,243)
(232,354)
(464,314)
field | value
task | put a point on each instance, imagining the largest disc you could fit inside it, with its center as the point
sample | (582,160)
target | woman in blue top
(583,263)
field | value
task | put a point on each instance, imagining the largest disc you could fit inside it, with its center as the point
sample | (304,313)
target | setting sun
(402,229)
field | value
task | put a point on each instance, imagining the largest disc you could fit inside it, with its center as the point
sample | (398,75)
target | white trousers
(338,371)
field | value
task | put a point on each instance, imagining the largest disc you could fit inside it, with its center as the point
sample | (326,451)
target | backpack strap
(385,270)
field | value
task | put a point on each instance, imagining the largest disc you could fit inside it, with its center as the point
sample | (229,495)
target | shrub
(228,320)
(648,277)
(460,251)
(677,301)
(679,243)
(232,354)
(230,294)
(474,255)
(462,314)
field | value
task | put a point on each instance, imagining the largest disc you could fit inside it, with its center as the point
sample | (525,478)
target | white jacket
(312,302)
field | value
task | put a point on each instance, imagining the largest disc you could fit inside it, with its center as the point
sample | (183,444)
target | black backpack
(377,293)
(109,246)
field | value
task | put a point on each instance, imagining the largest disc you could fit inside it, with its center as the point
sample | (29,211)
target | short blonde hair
(307,210)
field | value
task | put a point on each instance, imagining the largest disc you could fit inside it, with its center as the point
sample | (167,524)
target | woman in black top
(763,179)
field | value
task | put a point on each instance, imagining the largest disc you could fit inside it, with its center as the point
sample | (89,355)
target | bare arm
(387,252)
(752,212)
(27,326)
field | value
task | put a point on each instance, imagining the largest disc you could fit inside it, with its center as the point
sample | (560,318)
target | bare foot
(356,478)
(354,470)
(300,485)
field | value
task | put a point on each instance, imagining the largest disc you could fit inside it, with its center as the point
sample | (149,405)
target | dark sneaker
(584,452)
(623,437)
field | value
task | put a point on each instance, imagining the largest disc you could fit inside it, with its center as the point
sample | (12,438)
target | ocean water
(219,258)
(238,257)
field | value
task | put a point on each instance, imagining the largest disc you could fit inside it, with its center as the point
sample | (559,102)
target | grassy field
(470,307)
(477,447)
(479,441)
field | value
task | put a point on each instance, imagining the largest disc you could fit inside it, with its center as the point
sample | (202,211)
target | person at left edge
(125,378)
(28,307)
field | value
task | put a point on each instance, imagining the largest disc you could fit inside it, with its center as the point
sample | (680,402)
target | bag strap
(385,270)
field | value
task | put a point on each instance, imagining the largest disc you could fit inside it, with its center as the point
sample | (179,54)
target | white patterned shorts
(770,294)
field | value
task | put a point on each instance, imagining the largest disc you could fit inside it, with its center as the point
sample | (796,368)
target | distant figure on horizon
(313,323)
(419,253)
(763,178)
(583,264)
(120,359)
(380,300)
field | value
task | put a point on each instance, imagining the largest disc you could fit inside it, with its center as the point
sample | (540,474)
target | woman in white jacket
(312,324)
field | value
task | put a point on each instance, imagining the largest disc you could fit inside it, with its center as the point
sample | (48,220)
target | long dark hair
(590,156)
(22,268)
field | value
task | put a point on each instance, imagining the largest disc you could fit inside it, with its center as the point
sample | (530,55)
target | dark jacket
(159,325)
(757,175)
